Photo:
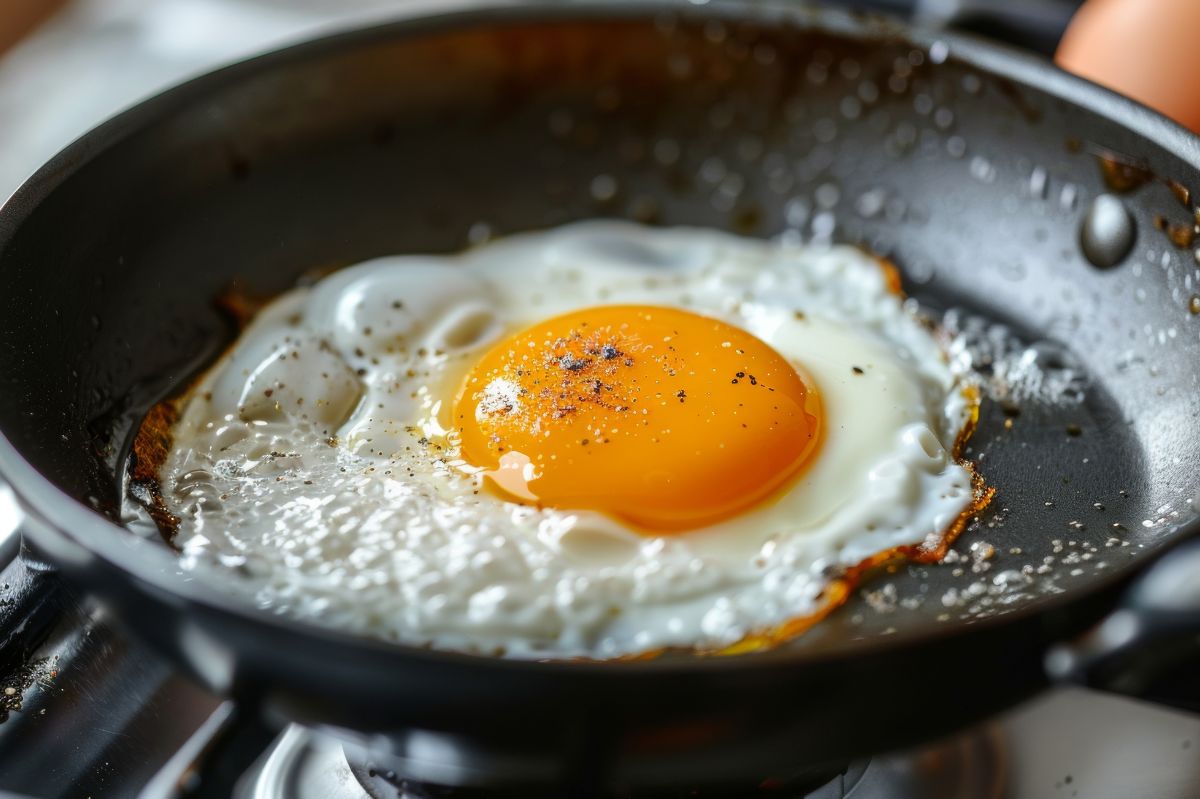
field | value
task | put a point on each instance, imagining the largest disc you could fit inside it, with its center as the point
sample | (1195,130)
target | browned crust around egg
(842,587)
(931,550)
(891,272)
(151,446)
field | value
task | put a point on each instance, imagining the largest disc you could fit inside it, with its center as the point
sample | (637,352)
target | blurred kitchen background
(66,65)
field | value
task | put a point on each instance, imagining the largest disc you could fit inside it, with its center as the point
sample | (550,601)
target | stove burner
(304,765)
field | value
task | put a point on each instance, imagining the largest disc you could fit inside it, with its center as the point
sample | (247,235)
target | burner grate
(306,765)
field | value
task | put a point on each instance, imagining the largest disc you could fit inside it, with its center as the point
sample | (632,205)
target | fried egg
(596,441)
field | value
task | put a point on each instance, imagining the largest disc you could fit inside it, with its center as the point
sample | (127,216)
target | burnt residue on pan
(151,445)
(14,686)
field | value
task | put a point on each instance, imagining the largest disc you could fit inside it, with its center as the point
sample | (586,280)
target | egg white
(313,466)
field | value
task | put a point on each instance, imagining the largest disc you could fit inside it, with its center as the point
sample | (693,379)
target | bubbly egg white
(314,469)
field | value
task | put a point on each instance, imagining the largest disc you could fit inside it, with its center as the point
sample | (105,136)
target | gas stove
(85,710)
(94,713)
(302,765)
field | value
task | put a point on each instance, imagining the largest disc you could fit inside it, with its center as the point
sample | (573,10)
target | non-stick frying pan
(972,167)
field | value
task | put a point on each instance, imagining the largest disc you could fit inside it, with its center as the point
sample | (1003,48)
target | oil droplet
(1107,232)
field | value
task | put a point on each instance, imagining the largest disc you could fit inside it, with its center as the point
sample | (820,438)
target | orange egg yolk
(662,418)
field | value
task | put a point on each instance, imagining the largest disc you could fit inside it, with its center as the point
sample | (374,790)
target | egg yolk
(662,418)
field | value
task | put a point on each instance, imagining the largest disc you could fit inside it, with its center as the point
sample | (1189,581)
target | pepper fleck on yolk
(662,418)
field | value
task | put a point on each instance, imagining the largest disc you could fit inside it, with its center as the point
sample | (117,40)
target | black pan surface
(970,166)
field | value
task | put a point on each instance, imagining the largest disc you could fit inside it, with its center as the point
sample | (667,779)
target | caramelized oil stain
(1180,234)
(1182,193)
(1121,173)
(151,446)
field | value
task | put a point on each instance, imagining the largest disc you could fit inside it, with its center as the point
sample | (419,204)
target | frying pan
(972,167)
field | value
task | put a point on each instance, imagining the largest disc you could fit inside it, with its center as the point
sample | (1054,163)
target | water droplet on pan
(870,203)
(1107,232)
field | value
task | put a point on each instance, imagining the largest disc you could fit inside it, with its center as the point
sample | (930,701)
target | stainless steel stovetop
(92,713)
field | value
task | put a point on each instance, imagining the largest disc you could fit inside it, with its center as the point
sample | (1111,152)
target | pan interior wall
(379,144)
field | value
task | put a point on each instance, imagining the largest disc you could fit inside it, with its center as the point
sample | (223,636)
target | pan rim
(150,564)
